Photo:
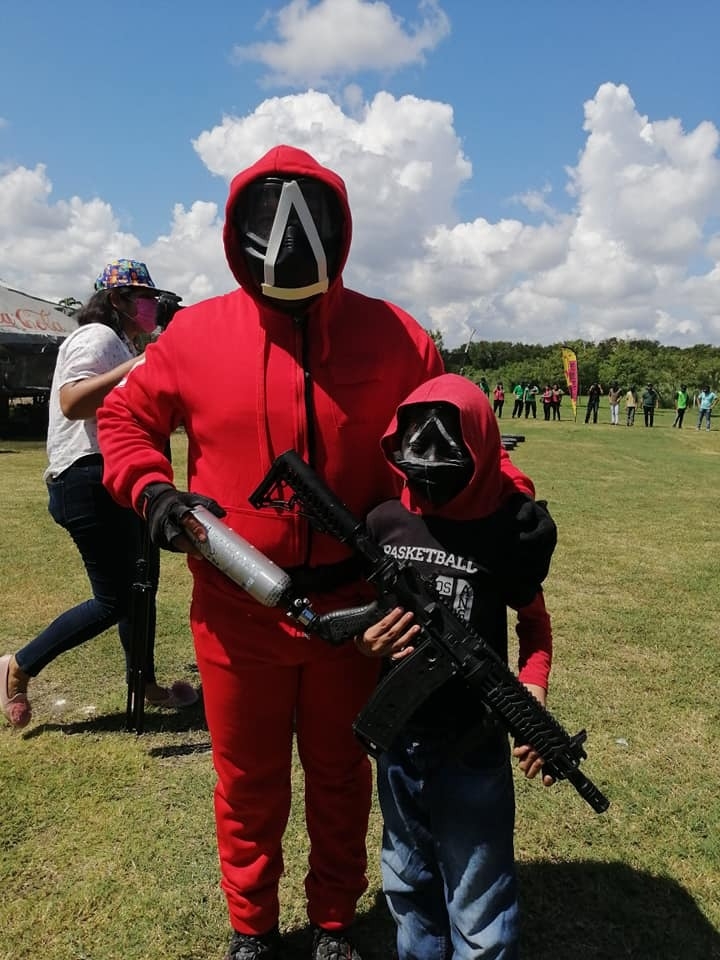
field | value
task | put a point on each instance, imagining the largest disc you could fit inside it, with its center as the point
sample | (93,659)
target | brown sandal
(17,709)
(179,695)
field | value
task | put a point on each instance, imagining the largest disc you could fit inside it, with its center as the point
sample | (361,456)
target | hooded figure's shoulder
(383,312)
(361,327)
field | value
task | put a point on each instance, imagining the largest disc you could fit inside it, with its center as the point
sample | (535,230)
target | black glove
(536,528)
(533,540)
(164,507)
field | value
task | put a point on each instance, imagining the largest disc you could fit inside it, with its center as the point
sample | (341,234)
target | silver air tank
(239,560)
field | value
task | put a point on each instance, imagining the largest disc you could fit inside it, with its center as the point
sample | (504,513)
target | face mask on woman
(146,314)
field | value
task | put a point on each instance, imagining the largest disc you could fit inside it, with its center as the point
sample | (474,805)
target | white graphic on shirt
(457,594)
(444,586)
(463,602)
(440,558)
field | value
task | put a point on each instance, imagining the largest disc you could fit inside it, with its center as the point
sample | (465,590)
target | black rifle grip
(342,625)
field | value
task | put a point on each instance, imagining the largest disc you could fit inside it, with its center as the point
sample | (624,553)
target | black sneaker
(333,945)
(247,946)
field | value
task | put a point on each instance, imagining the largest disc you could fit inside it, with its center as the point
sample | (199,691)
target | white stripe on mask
(291,196)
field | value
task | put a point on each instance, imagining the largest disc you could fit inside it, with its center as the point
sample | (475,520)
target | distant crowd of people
(527,395)
(649,401)
(525,399)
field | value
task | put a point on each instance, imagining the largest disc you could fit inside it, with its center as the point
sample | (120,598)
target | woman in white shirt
(91,361)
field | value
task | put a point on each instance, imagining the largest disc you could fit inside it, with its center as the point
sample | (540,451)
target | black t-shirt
(477,567)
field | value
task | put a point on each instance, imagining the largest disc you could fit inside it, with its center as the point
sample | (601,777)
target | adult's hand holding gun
(268,583)
(168,513)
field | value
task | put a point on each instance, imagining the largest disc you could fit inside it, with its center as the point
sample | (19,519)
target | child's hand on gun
(529,760)
(392,636)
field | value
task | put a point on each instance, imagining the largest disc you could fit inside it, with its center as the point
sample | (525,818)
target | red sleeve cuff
(534,632)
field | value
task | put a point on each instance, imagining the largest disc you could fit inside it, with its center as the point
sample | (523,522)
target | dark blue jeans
(109,538)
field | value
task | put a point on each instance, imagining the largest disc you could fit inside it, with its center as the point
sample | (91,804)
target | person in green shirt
(682,398)
(530,399)
(518,391)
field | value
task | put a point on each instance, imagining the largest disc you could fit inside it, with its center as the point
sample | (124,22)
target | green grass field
(107,839)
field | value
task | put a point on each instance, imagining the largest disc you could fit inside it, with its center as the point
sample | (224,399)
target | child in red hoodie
(445,785)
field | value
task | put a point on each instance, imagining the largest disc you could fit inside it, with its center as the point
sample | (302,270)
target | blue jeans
(448,862)
(109,540)
(701,417)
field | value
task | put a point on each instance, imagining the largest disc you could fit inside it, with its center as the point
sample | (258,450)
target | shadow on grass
(582,909)
(610,910)
(189,720)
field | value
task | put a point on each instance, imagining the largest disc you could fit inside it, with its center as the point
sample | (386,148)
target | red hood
(282,160)
(484,494)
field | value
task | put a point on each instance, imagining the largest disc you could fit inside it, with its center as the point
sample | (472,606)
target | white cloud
(651,184)
(56,250)
(401,159)
(190,259)
(536,201)
(48,249)
(331,39)
(638,255)
(620,263)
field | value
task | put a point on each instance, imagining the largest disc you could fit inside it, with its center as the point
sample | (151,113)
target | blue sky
(471,114)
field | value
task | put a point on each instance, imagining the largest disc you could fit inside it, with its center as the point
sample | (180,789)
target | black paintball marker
(145,584)
(142,596)
(446,646)
(142,624)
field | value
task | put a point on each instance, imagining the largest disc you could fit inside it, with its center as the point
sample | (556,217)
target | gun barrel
(588,791)
(141,599)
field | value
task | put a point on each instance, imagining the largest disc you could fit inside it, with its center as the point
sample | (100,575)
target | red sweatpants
(261,679)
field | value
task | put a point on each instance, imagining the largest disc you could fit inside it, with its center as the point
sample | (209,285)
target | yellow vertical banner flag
(571,376)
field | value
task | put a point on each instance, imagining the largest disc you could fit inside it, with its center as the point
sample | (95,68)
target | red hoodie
(488,487)
(486,492)
(249,382)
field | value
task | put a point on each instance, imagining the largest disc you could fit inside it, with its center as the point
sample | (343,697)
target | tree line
(629,362)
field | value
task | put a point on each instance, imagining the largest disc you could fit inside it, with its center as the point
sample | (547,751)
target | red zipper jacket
(249,382)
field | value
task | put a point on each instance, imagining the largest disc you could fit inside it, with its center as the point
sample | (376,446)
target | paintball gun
(144,586)
(446,646)
(142,594)
(142,622)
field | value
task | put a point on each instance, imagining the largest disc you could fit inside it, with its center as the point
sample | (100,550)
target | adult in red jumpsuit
(290,359)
